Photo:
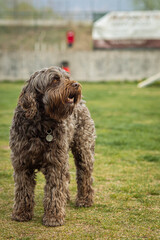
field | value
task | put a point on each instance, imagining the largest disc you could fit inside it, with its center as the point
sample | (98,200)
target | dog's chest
(52,133)
(70,128)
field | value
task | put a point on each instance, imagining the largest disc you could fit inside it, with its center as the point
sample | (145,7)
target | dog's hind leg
(84,164)
(83,151)
(24,195)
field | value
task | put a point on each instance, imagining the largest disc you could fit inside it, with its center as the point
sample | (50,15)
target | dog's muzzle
(76,85)
(76,91)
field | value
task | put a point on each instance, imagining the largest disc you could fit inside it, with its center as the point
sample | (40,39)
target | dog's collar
(49,136)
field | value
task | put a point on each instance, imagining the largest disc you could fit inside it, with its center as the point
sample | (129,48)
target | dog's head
(52,92)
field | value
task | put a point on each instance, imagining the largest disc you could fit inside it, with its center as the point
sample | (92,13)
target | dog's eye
(56,78)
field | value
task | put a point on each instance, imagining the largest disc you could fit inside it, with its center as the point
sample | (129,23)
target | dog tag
(49,138)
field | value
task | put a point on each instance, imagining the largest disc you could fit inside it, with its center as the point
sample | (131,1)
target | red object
(70,37)
(66,69)
(133,43)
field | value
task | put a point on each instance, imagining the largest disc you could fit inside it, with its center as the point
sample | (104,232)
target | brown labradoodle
(50,119)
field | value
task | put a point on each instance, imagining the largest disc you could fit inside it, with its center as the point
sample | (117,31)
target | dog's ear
(28,103)
(27,99)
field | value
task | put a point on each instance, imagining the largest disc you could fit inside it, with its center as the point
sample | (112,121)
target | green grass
(126,170)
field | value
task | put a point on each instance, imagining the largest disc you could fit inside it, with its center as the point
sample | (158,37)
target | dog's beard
(59,105)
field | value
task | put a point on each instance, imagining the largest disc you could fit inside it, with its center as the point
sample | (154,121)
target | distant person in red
(67,69)
(65,66)
(70,38)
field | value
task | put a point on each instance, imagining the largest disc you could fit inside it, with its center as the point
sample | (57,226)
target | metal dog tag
(49,138)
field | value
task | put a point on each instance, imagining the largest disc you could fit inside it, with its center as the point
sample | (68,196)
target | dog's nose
(75,85)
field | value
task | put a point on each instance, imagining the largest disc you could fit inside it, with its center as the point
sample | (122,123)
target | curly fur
(50,101)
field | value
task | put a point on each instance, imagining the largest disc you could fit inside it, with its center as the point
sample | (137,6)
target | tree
(4,7)
(24,9)
(147,4)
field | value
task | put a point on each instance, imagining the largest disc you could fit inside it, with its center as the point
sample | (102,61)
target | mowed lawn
(126,170)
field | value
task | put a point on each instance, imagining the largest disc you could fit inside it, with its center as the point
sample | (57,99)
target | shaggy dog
(50,118)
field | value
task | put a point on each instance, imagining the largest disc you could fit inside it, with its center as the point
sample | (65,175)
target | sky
(88,5)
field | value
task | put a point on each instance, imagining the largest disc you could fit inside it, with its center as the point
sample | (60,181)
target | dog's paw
(84,202)
(22,217)
(52,222)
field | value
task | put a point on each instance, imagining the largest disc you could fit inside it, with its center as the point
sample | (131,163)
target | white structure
(149,81)
(113,65)
(127,29)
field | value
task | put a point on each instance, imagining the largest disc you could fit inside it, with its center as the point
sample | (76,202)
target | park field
(126,170)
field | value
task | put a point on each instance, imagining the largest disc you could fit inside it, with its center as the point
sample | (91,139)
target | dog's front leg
(24,195)
(55,194)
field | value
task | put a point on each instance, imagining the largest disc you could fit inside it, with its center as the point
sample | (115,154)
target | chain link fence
(87,10)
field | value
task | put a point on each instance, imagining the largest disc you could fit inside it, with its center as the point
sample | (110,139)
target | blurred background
(109,45)
(97,40)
